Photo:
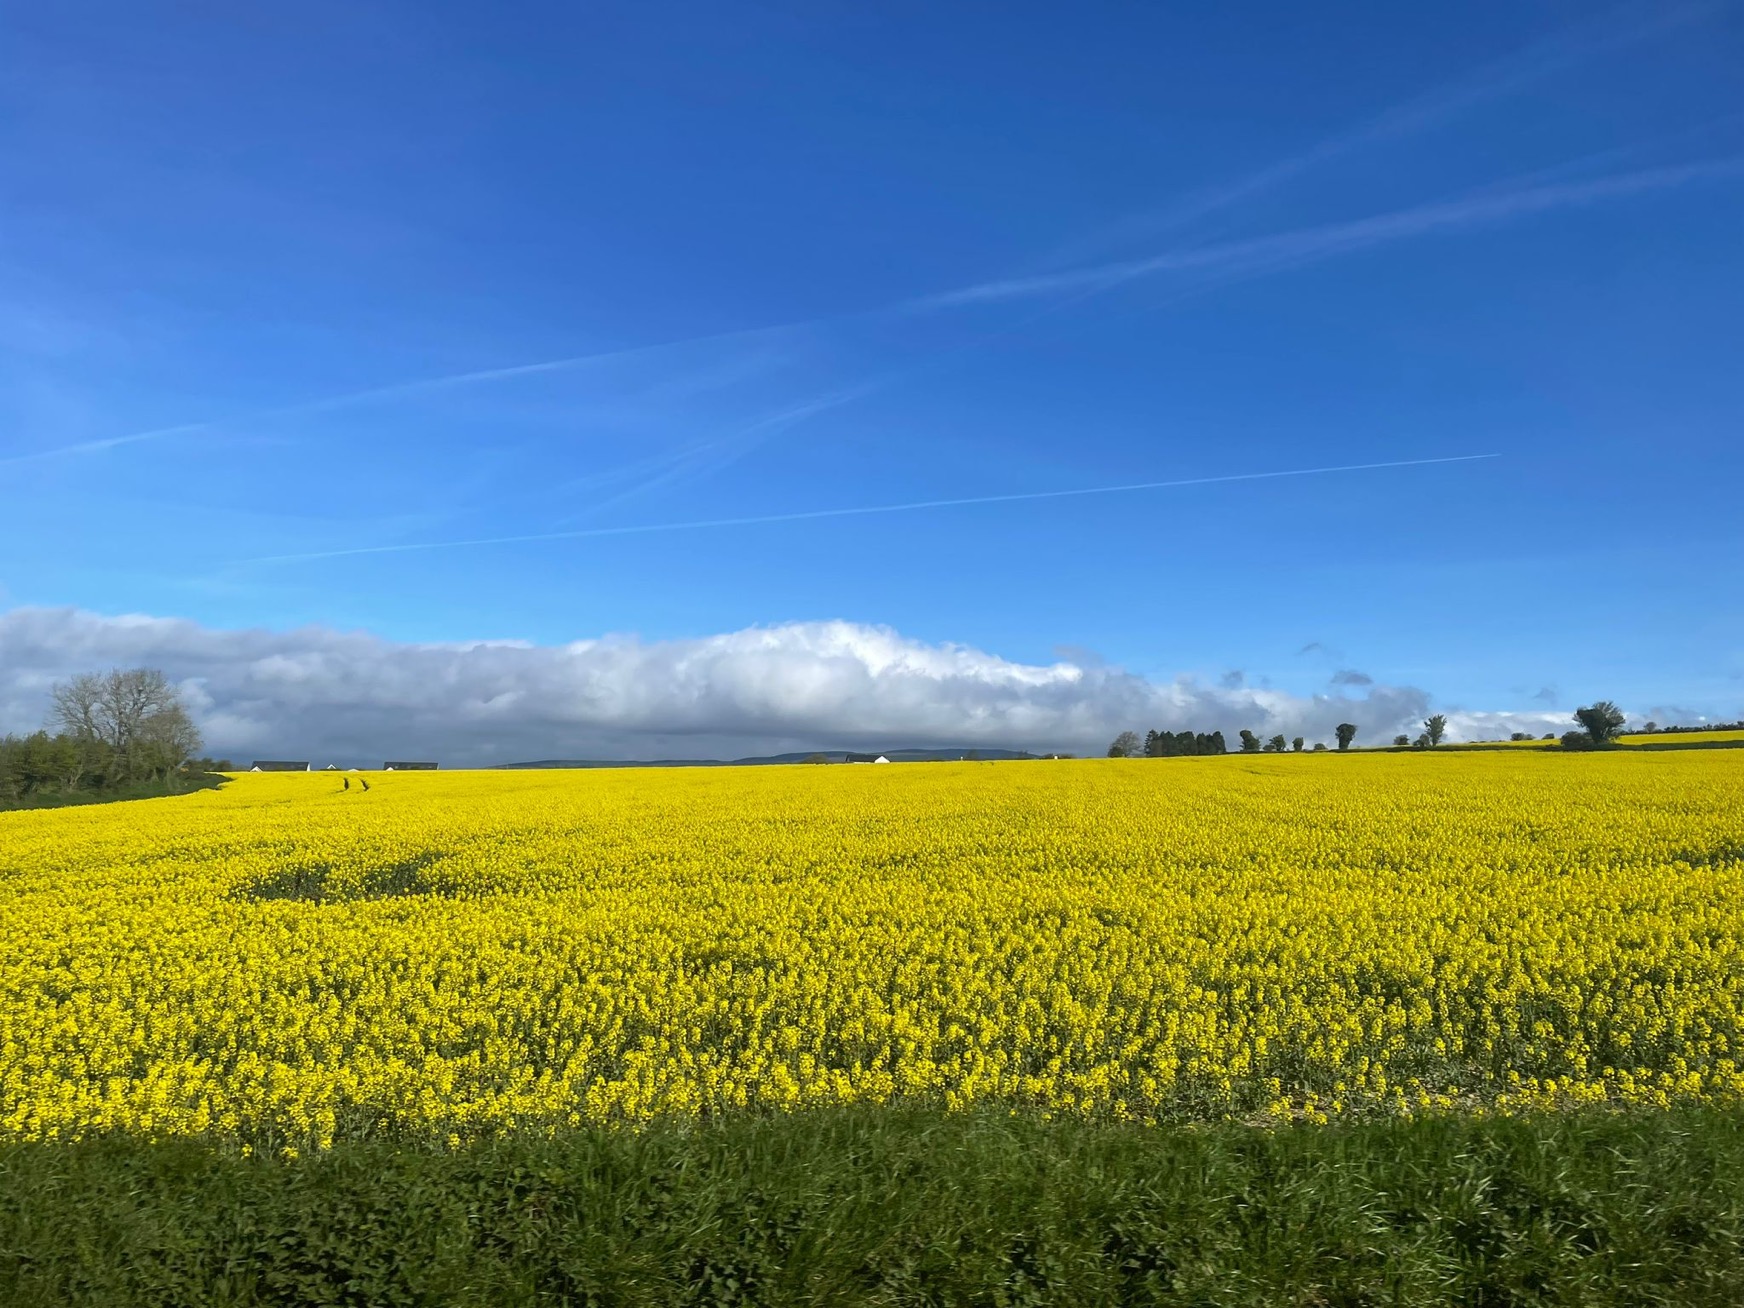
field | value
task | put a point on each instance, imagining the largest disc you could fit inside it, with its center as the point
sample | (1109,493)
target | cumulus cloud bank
(350,697)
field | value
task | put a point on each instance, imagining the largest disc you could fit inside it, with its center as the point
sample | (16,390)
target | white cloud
(350,696)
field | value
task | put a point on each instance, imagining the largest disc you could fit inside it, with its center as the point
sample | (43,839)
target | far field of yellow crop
(1262,937)
(1656,738)
(1681,737)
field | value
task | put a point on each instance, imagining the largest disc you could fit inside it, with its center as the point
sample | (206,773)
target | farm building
(866,758)
(278,765)
(404,766)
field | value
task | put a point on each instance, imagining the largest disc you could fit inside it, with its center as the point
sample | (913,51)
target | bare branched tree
(136,712)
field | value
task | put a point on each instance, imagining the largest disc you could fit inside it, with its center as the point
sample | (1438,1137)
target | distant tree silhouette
(1401,740)
(1602,722)
(1250,743)
(1297,744)
(1434,728)
(1126,745)
(1346,734)
(1277,745)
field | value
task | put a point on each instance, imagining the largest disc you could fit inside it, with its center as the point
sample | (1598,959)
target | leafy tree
(1277,745)
(1602,722)
(1550,735)
(1434,728)
(1520,735)
(1346,734)
(1126,745)
(1422,741)
(1297,744)
(1576,740)
(1156,744)
(1319,747)
(1650,727)
(1401,740)
(1250,743)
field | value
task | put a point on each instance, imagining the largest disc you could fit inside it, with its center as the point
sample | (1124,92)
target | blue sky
(344,282)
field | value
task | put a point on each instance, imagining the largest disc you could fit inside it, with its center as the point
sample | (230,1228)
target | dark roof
(278,765)
(404,766)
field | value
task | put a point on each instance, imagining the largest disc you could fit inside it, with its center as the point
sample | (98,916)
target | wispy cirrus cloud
(868,510)
(1495,80)
(401,391)
(1289,249)
(1487,83)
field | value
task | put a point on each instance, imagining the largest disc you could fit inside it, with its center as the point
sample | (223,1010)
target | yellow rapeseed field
(452,954)
(1683,738)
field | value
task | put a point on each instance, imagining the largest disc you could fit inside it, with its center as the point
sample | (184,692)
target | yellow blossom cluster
(461,953)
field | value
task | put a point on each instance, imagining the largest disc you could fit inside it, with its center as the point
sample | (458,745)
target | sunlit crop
(1683,738)
(453,954)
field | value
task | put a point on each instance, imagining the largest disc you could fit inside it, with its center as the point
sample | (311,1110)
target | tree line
(1600,724)
(105,732)
(1174,744)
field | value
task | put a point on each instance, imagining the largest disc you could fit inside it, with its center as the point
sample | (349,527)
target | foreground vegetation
(118,735)
(289,964)
(184,781)
(861,1206)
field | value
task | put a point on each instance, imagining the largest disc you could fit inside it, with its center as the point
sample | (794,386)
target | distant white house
(867,758)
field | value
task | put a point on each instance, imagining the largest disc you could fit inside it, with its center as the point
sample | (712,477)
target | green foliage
(1434,728)
(1297,744)
(1601,722)
(1277,745)
(121,734)
(20,788)
(1250,743)
(1172,744)
(1346,734)
(868,1206)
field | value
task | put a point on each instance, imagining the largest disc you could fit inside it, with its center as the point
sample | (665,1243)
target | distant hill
(798,756)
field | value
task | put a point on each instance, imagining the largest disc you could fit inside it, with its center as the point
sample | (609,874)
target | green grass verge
(897,1207)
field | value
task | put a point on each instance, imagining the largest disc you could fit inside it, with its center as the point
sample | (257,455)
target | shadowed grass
(857,1206)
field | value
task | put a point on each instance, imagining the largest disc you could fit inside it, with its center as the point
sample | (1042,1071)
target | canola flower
(457,954)
(1628,739)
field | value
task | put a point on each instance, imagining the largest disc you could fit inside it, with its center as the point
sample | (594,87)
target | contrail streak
(810,515)
(399,390)
(1492,81)
(1336,238)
